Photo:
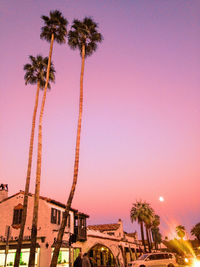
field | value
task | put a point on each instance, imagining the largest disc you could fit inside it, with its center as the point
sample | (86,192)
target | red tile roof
(104,227)
(49,200)
(132,234)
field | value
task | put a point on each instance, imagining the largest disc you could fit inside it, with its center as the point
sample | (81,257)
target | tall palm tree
(35,73)
(53,30)
(84,37)
(141,212)
(196,231)
(180,230)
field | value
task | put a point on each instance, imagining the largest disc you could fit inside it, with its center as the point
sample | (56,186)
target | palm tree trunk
(154,238)
(142,235)
(150,238)
(148,241)
(38,171)
(156,245)
(28,175)
(76,164)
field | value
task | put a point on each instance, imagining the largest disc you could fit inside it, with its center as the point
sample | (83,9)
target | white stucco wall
(104,239)
(45,227)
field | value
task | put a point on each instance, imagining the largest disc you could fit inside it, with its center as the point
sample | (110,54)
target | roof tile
(104,227)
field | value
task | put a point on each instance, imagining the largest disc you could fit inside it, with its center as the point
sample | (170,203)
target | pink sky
(141,122)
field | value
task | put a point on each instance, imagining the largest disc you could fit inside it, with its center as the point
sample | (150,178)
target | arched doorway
(100,256)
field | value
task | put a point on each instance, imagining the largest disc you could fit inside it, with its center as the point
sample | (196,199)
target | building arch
(102,255)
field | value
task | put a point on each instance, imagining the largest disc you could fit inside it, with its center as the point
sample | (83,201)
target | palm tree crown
(36,71)
(84,33)
(142,212)
(54,24)
(180,230)
(156,221)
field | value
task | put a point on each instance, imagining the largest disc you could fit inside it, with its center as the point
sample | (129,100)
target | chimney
(3,191)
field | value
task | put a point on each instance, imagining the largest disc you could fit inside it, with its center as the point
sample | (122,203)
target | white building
(49,219)
(107,244)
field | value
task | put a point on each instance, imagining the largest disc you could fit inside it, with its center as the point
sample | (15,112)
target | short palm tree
(53,30)
(155,232)
(84,37)
(196,231)
(141,212)
(157,237)
(148,223)
(180,230)
(35,73)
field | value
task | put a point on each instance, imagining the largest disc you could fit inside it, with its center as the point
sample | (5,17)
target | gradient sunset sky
(141,121)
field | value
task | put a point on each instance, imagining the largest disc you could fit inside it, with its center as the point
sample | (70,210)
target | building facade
(49,219)
(109,245)
(106,244)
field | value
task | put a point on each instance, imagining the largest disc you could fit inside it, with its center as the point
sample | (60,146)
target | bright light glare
(196,263)
(161,199)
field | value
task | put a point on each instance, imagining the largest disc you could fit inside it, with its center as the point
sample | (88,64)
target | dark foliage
(84,33)
(36,71)
(54,24)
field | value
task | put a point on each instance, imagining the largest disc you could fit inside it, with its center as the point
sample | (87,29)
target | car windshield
(143,257)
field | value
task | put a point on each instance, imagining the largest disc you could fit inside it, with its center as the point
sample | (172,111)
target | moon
(161,199)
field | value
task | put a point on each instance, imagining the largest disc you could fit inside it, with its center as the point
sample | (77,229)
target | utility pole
(7,244)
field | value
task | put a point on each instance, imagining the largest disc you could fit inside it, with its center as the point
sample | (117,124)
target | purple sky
(141,121)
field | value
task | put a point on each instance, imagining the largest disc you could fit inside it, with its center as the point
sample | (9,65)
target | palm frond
(36,71)
(141,211)
(84,33)
(54,24)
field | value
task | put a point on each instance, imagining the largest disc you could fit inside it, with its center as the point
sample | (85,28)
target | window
(143,257)
(17,215)
(152,257)
(55,216)
(160,256)
(82,222)
(68,219)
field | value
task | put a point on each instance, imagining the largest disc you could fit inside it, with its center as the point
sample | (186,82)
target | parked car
(160,259)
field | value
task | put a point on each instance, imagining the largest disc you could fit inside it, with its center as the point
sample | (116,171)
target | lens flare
(196,263)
